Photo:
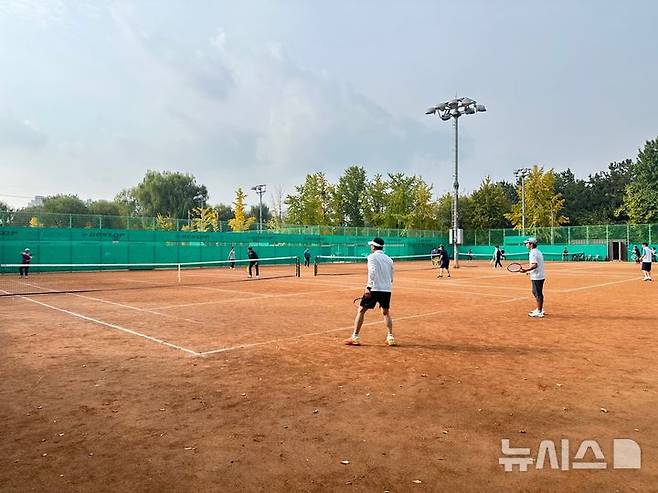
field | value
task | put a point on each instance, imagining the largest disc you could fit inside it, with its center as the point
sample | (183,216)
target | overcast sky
(93,93)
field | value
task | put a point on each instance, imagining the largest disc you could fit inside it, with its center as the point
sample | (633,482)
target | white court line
(263,296)
(322,332)
(114,303)
(112,326)
(597,285)
(146,310)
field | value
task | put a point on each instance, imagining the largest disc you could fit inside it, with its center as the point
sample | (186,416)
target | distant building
(37,201)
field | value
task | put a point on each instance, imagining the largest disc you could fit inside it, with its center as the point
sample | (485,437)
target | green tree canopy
(488,205)
(641,195)
(376,199)
(170,194)
(349,196)
(311,204)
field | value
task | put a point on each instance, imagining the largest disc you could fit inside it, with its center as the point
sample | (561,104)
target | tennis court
(221,382)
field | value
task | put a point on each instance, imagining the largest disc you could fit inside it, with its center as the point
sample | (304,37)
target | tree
(348,198)
(423,214)
(376,199)
(310,204)
(444,212)
(4,207)
(240,221)
(204,219)
(400,200)
(106,208)
(543,206)
(577,196)
(64,204)
(254,211)
(278,201)
(168,193)
(641,196)
(509,189)
(488,206)
(224,212)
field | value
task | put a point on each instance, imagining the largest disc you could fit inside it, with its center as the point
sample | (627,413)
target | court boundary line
(112,326)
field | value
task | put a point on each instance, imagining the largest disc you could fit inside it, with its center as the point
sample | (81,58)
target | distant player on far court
(378,290)
(26,258)
(253,261)
(537,277)
(498,257)
(231,258)
(647,257)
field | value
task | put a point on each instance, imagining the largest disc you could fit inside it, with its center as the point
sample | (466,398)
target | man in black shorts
(647,258)
(378,290)
(444,261)
(253,261)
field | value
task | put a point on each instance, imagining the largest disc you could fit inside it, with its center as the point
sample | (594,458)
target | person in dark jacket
(26,258)
(253,262)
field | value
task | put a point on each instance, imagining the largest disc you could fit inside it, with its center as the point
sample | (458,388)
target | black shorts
(445,264)
(646,266)
(381,297)
(538,288)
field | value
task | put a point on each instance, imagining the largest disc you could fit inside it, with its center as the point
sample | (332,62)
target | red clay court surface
(236,385)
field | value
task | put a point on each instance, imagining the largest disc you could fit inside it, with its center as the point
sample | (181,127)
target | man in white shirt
(647,257)
(378,290)
(537,277)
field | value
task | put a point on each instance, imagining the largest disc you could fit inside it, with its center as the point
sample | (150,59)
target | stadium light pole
(523,173)
(447,110)
(260,190)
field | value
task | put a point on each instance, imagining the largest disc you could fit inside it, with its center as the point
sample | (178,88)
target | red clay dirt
(276,403)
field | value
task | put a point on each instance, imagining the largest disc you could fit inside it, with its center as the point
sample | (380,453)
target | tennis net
(523,257)
(31,279)
(345,265)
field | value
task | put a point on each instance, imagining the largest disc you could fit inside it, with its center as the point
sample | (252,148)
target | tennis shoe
(533,313)
(352,341)
(390,340)
(536,314)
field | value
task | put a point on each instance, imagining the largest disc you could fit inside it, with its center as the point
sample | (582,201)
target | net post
(298,268)
(315,267)
(179,274)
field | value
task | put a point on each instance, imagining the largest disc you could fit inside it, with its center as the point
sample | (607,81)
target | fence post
(70,221)
(649,234)
(587,234)
(100,222)
(568,235)
(628,234)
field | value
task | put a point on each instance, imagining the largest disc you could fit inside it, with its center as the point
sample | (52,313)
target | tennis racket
(514,267)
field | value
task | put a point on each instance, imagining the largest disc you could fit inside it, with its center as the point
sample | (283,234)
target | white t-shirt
(647,254)
(380,272)
(536,257)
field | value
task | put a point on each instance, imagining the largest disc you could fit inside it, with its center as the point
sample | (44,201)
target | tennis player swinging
(378,290)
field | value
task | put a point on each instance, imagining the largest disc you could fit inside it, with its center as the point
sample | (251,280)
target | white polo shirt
(380,272)
(647,254)
(536,257)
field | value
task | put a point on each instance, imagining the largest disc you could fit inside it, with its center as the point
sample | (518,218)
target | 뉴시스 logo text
(625,454)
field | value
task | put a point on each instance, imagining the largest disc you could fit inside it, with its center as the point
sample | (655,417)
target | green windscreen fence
(122,246)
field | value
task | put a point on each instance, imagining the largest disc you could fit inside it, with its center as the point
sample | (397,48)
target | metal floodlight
(448,110)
